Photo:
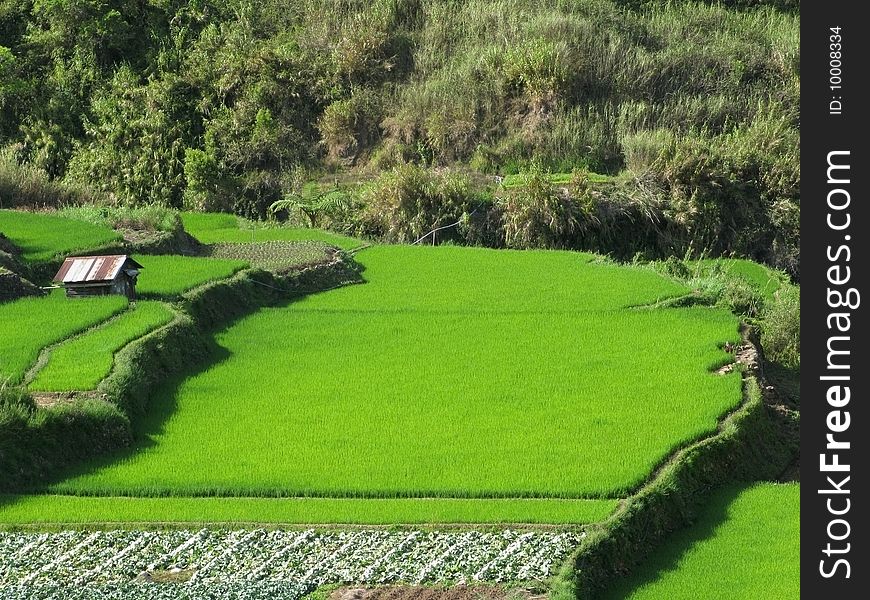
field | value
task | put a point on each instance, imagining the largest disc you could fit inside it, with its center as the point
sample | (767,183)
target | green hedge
(750,445)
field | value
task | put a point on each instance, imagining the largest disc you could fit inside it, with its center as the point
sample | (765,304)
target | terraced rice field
(80,363)
(745,545)
(211,228)
(28,325)
(453,373)
(42,237)
(166,276)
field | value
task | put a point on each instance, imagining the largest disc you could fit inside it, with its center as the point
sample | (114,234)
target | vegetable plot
(70,560)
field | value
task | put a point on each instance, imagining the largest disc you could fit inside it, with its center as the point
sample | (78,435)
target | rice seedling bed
(166,276)
(454,373)
(28,325)
(745,545)
(42,237)
(82,362)
(275,255)
(211,228)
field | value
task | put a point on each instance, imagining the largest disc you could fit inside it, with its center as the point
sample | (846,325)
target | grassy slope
(42,237)
(19,510)
(80,363)
(169,275)
(30,324)
(211,228)
(418,382)
(746,545)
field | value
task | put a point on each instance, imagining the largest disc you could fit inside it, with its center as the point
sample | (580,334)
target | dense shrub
(407,202)
(537,215)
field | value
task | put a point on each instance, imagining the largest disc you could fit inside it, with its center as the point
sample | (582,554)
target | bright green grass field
(211,228)
(16,511)
(43,236)
(28,325)
(82,362)
(442,376)
(169,275)
(745,545)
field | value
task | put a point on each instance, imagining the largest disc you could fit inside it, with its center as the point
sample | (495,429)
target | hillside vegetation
(690,109)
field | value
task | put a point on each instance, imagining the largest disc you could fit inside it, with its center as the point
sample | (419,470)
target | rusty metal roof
(94,269)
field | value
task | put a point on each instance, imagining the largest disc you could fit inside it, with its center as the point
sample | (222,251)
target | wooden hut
(99,275)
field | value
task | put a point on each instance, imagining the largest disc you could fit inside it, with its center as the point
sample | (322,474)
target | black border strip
(832,120)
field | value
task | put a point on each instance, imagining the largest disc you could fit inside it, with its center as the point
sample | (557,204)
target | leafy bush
(537,215)
(409,201)
(350,125)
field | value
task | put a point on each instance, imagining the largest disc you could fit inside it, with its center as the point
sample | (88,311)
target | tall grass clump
(780,333)
(409,201)
(146,217)
(26,185)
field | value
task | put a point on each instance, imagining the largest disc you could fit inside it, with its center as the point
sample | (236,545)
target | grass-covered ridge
(42,237)
(746,544)
(81,362)
(440,372)
(30,324)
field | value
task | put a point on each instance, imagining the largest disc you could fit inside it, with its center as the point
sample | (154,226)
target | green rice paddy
(42,237)
(745,545)
(30,324)
(455,373)
(47,509)
(80,363)
(211,228)
(166,276)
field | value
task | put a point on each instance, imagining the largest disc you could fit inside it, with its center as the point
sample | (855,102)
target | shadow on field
(666,559)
